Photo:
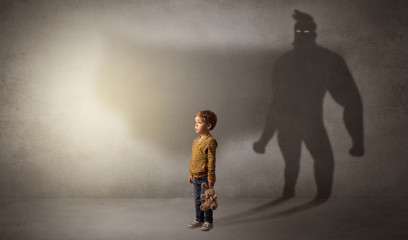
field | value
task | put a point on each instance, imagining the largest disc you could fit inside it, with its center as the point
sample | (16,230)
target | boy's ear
(209,126)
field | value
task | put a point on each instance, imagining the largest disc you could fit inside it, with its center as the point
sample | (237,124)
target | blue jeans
(201,216)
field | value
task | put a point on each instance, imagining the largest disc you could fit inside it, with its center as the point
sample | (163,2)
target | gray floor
(128,218)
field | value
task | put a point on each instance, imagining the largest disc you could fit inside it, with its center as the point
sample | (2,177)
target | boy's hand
(190,179)
(211,183)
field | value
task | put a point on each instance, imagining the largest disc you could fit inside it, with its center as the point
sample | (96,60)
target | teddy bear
(209,197)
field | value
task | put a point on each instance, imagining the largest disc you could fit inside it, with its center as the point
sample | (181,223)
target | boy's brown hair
(209,117)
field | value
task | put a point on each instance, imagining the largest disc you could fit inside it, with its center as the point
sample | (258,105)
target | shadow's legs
(317,142)
(289,140)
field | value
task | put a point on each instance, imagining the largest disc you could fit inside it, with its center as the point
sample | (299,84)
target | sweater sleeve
(190,172)
(211,159)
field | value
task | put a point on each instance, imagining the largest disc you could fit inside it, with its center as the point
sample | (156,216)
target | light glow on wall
(98,97)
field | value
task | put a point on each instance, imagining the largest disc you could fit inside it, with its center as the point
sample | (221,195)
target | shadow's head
(305,30)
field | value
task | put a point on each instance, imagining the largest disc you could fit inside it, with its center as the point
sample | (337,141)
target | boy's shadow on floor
(245,217)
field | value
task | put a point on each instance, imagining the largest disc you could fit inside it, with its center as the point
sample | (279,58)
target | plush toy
(209,197)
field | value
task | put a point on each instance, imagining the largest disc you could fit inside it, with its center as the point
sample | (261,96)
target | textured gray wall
(98,97)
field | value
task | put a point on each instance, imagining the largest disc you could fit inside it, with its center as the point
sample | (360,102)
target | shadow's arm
(270,124)
(343,89)
(267,134)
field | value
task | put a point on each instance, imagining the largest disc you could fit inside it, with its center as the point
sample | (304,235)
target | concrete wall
(98,97)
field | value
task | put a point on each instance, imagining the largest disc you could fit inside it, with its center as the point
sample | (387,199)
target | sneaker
(195,224)
(207,226)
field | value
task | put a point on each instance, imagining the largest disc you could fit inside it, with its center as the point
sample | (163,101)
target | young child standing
(202,166)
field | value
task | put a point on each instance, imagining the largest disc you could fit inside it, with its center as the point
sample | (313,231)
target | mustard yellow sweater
(202,162)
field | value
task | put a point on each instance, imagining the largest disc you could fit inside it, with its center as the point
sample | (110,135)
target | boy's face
(201,127)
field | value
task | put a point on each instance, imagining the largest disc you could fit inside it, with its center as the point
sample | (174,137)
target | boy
(202,166)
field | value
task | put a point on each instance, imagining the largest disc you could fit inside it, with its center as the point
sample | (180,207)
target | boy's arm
(190,174)
(211,160)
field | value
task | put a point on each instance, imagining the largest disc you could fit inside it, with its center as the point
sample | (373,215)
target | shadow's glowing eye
(298,31)
(306,31)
